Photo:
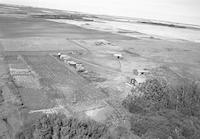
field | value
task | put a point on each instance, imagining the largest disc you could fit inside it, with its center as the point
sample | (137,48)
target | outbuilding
(72,63)
(80,68)
(64,57)
(59,54)
(143,72)
(140,79)
(118,55)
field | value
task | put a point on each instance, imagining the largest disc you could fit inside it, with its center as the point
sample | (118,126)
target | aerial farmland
(119,81)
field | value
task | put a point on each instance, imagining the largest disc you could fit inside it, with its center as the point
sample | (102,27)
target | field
(34,80)
(38,44)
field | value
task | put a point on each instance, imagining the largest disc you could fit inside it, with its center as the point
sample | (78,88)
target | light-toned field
(39,44)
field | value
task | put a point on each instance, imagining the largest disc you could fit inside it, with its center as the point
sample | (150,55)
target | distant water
(157,31)
(180,11)
(161,31)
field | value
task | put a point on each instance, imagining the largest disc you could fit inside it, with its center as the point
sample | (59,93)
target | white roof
(64,56)
(71,62)
(140,79)
(141,70)
(120,55)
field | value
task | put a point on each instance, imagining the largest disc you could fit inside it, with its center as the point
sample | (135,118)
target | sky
(181,11)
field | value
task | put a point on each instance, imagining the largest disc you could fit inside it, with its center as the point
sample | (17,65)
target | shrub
(187,98)
(153,96)
(164,124)
(59,127)
(1,96)
(163,111)
(156,95)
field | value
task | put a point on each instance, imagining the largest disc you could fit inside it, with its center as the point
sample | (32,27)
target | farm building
(80,68)
(64,57)
(140,79)
(118,55)
(142,72)
(72,63)
(59,54)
